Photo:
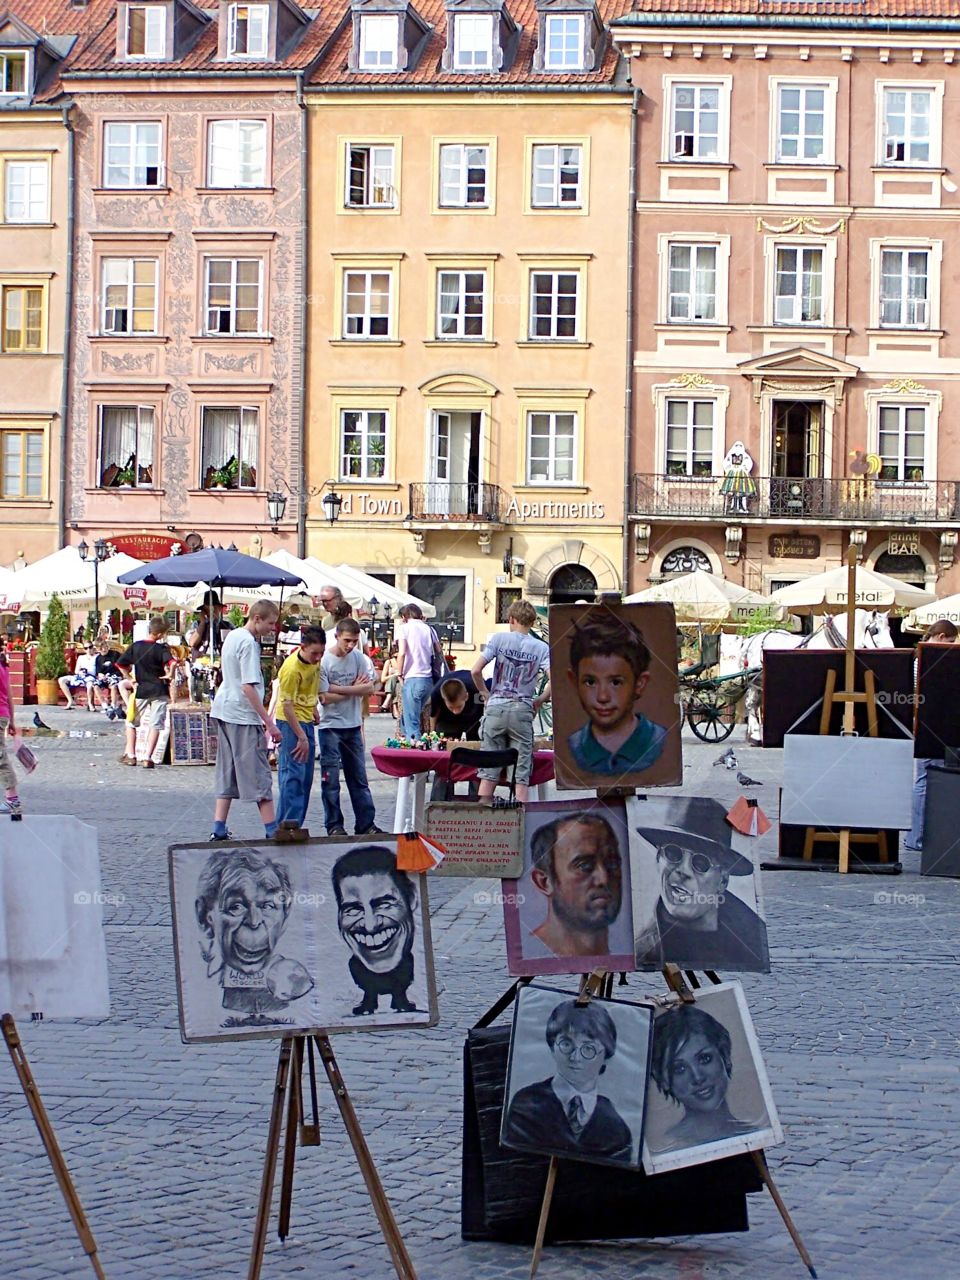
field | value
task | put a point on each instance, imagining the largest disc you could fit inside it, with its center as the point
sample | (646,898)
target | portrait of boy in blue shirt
(609,662)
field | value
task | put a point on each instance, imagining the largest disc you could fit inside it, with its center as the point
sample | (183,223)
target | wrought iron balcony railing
(438,500)
(780,497)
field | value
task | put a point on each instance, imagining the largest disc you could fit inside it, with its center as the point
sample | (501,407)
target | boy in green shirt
(299,688)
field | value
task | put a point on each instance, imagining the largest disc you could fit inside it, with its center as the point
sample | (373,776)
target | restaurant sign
(147,546)
(794,546)
(903,544)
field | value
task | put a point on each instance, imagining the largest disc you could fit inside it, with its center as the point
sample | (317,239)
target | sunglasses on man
(674,854)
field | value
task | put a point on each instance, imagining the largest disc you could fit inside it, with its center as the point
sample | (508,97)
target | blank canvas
(846,781)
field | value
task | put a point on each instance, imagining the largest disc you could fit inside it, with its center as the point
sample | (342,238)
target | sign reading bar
(903,544)
(794,546)
(479,840)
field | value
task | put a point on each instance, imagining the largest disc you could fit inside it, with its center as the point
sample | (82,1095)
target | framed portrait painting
(709,1096)
(576,1077)
(696,892)
(271,939)
(616,711)
(570,911)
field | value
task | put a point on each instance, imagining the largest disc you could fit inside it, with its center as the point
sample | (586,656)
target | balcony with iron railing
(784,498)
(438,501)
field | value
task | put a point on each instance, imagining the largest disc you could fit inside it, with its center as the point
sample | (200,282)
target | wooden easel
(848,697)
(49,1139)
(288,1091)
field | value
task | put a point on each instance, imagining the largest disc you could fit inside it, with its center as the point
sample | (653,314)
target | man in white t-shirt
(417,645)
(345,673)
(243,772)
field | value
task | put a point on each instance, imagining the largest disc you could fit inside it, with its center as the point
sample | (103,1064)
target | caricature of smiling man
(375,906)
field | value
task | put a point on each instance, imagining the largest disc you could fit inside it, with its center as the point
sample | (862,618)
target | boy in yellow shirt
(299,688)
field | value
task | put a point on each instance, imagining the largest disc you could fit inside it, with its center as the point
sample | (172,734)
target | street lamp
(276,506)
(331,503)
(373,608)
(100,553)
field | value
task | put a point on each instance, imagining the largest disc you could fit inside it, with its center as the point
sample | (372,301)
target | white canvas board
(53,957)
(322,936)
(846,781)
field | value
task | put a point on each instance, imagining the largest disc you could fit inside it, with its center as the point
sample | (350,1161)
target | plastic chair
(506,759)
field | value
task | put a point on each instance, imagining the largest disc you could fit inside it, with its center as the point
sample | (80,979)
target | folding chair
(506,759)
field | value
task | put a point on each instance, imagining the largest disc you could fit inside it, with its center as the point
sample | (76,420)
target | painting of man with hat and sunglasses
(695,897)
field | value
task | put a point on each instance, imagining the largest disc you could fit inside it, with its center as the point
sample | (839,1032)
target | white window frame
(459,316)
(829,89)
(477,53)
(372,183)
(828,280)
(36,203)
(901,409)
(23,286)
(368,315)
(907,244)
(137,144)
(231,308)
(457,155)
(905,301)
(553,456)
(233,130)
(889,397)
(689,459)
(690,295)
(694,239)
(720,395)
(26,431)
(723,85)
(129,285)
(154,32)
(147,428)
(935,140)
(569,23)
(17,54)
(257,25)
(371,53)
(555,317)
(802,271)
(365,435)
(552,152)
(244,414)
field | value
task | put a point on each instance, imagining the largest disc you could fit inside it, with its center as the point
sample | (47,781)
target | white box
(847,781)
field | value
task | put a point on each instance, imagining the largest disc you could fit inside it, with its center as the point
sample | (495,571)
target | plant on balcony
(53,640)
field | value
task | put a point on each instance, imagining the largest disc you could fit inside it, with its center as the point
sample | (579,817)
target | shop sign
(794,546)
(903,544)
(147,546)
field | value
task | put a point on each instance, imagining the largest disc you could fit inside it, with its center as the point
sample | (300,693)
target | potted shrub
(51,662)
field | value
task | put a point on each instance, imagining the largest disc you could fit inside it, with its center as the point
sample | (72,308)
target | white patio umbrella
(65,575)
(828,593)
(705,597)
(920,619)
(384,593)
(314,573)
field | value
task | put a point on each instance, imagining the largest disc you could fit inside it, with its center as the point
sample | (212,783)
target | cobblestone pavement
(858,1024)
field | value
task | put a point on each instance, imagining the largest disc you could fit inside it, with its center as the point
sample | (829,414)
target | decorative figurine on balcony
(738,487)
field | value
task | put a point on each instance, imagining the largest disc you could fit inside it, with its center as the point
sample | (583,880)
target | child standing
(298,686)
(344,672)
(510,705)
(608,668)
(7,727)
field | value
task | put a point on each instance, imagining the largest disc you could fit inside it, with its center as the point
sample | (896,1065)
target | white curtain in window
(118,442)
(219,437)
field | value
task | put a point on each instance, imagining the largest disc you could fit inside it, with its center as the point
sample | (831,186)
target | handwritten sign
(480,840)
(794,546)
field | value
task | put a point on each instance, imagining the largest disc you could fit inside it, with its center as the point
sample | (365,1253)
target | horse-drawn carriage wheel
(710,720)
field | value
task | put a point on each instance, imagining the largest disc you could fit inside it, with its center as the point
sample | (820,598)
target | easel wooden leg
(544,1215)
(843,865)
(290,1138)
(270,1159)
(760,1160)
(381,1205)
(49,1140)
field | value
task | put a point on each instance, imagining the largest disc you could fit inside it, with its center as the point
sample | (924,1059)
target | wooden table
(411,767)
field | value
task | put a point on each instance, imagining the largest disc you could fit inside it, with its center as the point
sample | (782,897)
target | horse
(871,631)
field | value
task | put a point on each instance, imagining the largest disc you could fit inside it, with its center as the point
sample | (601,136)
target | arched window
(684,560)
(908,568)
(570,583)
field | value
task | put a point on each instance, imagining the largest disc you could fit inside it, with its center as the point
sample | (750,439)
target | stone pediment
(798,362)
(457,384)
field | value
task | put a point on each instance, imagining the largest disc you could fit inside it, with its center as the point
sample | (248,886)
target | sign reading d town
(147,546)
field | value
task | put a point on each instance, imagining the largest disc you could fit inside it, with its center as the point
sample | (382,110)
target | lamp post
(100,553)
(451,627)
(277,505)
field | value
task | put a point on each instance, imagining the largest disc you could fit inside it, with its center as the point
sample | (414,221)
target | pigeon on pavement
(38,723)
(748,782)
(728,759)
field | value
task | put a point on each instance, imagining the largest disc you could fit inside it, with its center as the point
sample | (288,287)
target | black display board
(791,841)
(502,1190)
(941,828)
(938,700)
(794,680)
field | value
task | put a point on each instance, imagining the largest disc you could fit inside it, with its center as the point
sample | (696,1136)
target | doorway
(796,473)
(457,463)
(572,582)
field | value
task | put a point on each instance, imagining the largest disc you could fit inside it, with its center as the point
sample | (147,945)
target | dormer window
(379,41)
(249,26)
(473,42)
(13,72)
(563,42)
(146,31)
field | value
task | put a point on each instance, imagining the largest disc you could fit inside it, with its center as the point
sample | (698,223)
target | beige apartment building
(470,170)
(797,213)
(35,196)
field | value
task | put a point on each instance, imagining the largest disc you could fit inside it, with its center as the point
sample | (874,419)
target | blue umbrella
(213,566)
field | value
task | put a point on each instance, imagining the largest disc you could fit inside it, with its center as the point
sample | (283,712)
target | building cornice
(712,35)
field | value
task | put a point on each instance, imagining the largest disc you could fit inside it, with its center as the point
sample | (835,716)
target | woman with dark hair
(940,632)
(565,1112)
(692,1063)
